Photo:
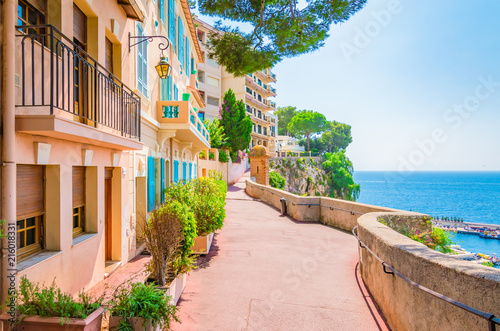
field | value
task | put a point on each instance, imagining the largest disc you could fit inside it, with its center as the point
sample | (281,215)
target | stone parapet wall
(405,306)
(409,308)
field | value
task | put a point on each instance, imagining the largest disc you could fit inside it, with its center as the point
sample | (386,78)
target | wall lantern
(163,68)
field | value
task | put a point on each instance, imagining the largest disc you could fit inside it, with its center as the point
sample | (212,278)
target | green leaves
(276,180)
(236,123)
(285,115)
(281,28)
(340,171)
(305,123)
(144,301)
(216,131)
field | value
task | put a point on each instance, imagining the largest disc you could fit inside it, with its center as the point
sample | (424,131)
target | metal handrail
(492,319)
(100,97)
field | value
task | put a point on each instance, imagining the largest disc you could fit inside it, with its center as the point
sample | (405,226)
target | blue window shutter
(180,54)
(190,170)
(164,89)
(195,170)
(176,171)
(151,183)
(188,72)
(192,64)
(176,93)
(162,180)
(184,171)
(169,88)
(142,64)
(171,22)
(161,8)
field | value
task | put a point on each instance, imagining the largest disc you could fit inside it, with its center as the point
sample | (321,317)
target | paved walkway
(267,272)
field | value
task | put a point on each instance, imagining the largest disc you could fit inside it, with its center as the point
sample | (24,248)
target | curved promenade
(267,272)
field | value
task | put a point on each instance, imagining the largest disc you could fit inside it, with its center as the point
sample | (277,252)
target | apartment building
(209,75)
(91,132)
(254,89)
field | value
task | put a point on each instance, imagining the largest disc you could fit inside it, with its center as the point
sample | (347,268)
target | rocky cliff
(304,175)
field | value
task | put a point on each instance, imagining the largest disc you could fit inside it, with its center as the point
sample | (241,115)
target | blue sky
(418,81)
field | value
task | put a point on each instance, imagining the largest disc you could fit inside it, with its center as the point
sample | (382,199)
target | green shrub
(223,157)
(146,301)
(163,235)
(33,299)
(211,156)
(276,180)
(202,154)
(488,264)
(217,175)
(208,204)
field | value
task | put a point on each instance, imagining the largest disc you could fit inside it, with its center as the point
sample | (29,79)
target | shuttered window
(162,180)
(176,171)
(161,10)
(142,64)
(176,93)
(190,171)
(171,22)
(30,209)
(184,171)
(180,54)
(166,89)
(151,183)
(188,72)
(108,52)
(78,200)
(79,26)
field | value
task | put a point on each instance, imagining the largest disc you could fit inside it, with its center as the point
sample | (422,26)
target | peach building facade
(91,133)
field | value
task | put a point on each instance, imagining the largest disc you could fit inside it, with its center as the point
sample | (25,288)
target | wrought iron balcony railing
(57,73)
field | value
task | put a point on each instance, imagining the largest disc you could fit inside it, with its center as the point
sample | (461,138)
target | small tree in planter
(163,236)
(208,205)
(43,307)
(180,195)
(141,307)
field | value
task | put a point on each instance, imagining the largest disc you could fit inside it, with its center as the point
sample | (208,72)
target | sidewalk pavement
(268,272)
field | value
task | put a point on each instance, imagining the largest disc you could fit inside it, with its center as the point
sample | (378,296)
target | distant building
(288,144)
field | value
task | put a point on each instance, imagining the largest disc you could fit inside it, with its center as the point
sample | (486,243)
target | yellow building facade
(91,133)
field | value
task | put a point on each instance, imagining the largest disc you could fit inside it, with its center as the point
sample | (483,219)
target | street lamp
(163,68)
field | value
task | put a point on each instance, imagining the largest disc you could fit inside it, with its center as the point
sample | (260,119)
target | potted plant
(168,231)
(185,96)
(208,207)
(40,307)
(140,307)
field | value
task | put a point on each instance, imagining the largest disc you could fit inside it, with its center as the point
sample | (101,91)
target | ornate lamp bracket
(141,39)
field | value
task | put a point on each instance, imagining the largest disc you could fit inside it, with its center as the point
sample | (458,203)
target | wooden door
(108,51)
(107,217)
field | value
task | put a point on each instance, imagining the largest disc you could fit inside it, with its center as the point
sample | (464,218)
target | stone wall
(303,175)
(404,306)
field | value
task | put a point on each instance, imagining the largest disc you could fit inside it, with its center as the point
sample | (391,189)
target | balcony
(272,104)
(179,119)
(272,91)
(62,92)
(259,88)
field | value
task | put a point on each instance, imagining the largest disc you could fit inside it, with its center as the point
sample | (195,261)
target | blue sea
(473,196)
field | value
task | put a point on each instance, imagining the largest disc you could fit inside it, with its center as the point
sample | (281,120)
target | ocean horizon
(473,196)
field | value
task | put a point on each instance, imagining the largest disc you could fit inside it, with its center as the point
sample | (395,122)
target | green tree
(285,115)
(336,137)
(216,132)
(280,29)
(305,123)
(339,169)
(236,123)
(317,145)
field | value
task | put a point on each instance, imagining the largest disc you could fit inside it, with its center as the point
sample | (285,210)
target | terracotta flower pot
(91,323)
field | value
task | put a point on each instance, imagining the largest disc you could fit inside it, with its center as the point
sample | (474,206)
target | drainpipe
(8,140)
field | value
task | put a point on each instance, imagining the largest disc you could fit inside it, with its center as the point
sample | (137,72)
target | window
(212,62)
(259,97)
(166,89)
(180,54)
(161,10)
(202,94)
(259,114)
(142,64)
(171,22)
(249,90)
(201,76)
(212,81)
(249,109)
(201,36)
(259,129)
(213,101)
(30,209)
(176,93)
(78,200)
(31,14)
(259,82)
